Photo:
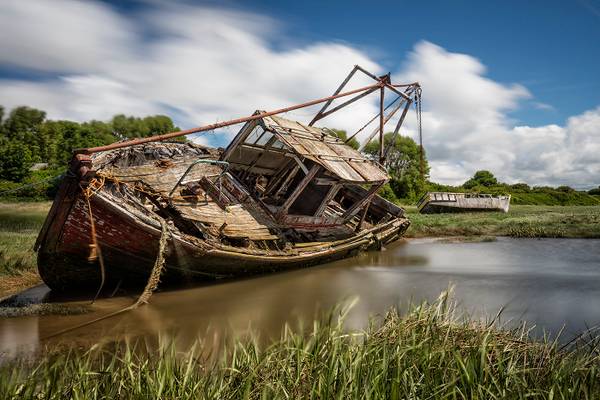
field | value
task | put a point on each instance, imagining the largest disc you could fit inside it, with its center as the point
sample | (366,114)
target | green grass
(427,353)
(520,221)
(19,226)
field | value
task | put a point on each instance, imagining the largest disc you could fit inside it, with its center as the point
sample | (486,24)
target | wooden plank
(356,206)
(330,195)
(290,200)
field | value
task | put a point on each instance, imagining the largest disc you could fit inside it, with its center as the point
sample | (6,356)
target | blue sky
(552,47)
(508,86)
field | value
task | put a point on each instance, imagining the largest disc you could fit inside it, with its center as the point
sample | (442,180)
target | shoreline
(20,223)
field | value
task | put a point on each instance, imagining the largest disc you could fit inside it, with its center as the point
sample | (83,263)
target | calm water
(550,282)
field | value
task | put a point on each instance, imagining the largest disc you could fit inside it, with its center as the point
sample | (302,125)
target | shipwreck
(444,202)
(283,194)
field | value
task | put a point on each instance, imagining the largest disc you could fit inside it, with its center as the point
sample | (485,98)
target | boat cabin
(302,174)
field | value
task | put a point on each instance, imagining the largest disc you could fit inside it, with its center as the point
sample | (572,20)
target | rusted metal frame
(350,212)
(381,122)
(301,186)
(393,89)
(218,125)
(396,130)
(376,130)
(414,84)
(344,104)
(344,83)
(364,71)
(375,117)
(328,197)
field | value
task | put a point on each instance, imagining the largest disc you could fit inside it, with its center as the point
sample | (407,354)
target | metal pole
(336,92)
(218,125)
(381,124)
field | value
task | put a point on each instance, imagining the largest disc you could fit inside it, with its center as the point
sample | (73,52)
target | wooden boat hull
(438,202)
(129,246)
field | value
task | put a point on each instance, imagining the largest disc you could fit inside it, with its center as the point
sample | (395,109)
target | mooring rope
(95,250)
(151,285)
(154,278)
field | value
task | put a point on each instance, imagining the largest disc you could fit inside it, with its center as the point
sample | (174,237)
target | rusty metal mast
(382,83)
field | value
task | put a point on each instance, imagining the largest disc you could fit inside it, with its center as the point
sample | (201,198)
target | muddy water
(552,283)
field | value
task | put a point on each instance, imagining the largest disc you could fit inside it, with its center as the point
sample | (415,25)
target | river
(551,283)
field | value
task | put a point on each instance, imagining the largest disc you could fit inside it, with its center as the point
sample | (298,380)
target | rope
(151,286)
(157,269)
(31,185)
(95,251)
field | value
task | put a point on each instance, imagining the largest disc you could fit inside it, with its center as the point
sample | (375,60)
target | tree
(522,187)
(344,135)
(23,125)
(133,127)
(15,160)
(595,191)
(481,178)
(403,164)
(565,189)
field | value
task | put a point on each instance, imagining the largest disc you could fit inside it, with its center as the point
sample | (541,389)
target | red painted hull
(129,247)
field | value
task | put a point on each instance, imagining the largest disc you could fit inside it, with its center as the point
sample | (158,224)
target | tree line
(34,149)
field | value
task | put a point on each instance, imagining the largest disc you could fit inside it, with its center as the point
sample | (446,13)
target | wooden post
(356,206)
(363,216)
(290,200)
(330,195)
(287,180)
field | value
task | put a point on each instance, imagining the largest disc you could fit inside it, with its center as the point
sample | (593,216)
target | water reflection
(549,282)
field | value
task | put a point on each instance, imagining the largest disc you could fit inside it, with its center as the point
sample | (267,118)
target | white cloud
(202,64)
(209,64)
(466,127)
(543,106)
(62,35)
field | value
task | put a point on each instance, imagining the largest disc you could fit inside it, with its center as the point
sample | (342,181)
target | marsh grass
(19,226)
(520,221)
(429,352)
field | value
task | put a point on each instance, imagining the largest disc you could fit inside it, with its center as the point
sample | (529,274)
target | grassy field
(19,226)
(427,353)
(520,221)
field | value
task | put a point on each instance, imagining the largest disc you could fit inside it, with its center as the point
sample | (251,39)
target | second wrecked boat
(282,195)
(445,202)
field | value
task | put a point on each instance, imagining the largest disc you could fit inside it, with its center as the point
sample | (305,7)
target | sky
(508,86)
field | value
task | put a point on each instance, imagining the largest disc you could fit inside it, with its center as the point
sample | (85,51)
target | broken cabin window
(264,139)
(278,144)
(255,134)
